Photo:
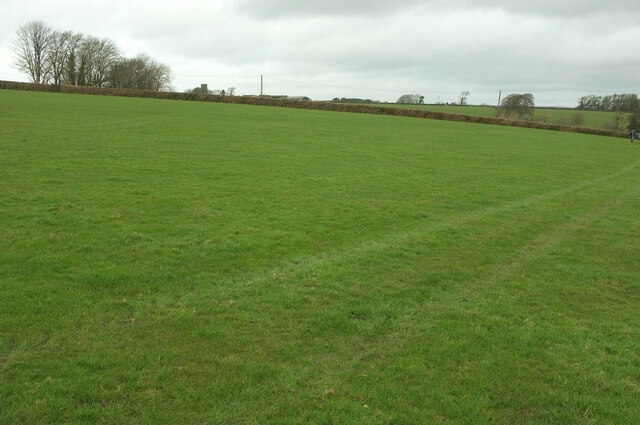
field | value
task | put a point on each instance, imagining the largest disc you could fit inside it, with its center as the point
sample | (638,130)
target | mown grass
(177,262)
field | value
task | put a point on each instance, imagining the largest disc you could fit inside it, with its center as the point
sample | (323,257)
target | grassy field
(591,119)
(476,111)
(167,262)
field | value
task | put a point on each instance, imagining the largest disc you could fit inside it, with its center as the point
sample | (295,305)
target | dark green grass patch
(177,262)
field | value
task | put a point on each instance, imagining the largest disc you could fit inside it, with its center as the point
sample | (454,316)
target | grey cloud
(290,8)
(366,8)
(560,8)
(375,48)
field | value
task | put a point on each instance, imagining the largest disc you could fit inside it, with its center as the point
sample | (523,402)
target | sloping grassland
(181,262)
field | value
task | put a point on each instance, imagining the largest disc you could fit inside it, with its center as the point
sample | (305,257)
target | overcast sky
(558,50)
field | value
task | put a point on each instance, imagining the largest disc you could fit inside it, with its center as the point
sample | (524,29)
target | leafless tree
(70,69)
(463,97)
(61,50)
(31,48)
(96,57)
(47,55)
(140,72)
(160,76)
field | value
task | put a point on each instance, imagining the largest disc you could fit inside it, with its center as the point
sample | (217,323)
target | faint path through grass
(410,236)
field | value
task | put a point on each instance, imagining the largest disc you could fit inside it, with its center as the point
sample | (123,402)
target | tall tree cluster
(64,57)
(614,102)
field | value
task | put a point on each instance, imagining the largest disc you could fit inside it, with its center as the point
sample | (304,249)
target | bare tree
(128,73)
(31,48)
(463,97)
(160,76)
(65,57)
(61,50)
(231,91)
(140,72)
(97,56)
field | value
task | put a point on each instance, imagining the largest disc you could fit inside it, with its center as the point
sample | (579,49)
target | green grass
(166,262)
(476,111)
(590,119)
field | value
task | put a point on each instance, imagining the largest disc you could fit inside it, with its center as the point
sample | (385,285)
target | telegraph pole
(261,86)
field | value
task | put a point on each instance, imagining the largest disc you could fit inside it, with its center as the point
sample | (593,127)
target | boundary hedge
(285,103)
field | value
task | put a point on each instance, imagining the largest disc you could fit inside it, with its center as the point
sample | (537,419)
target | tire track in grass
(544,242)
(292,267)
(504,270)
(434,319)
(130,122)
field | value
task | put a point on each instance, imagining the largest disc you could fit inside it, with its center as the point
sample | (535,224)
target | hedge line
(324,106)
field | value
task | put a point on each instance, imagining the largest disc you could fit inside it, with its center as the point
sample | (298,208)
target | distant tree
(520,106)
(463,97)
(97,57)
(421,100)
(411,99)
(123,73)
(231,91)
(70,69)
(614,102)
(159,76)
(31,47)
(140,72)
(61,51)
(47,55)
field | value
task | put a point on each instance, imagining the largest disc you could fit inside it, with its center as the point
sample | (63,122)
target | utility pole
(261,86)
(499,99)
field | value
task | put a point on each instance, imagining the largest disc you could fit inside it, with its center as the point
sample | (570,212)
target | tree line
(614,102)
(49,56)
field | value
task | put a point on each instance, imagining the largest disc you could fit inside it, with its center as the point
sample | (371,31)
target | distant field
(476,111)
(591,119)
(168,262)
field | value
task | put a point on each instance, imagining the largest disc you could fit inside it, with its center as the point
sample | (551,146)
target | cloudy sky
(558,50)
